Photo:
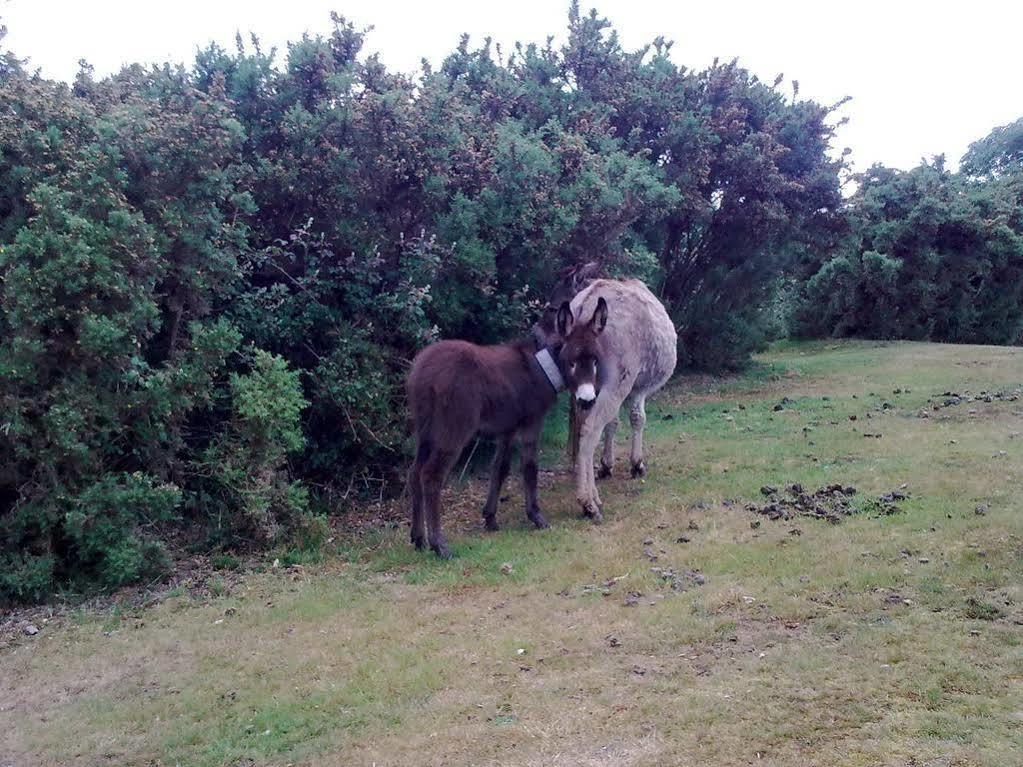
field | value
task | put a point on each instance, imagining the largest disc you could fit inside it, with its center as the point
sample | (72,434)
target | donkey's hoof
(441,550)
(604,472)
(490,524)
(638,470)
(537,519)
(419,543)
(592,511)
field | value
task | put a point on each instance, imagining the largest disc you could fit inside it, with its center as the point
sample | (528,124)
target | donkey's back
(456,388)
(640,340)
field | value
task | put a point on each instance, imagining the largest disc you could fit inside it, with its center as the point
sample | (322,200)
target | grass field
(686,630)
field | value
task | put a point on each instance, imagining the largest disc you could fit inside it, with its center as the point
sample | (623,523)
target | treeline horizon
(213,276)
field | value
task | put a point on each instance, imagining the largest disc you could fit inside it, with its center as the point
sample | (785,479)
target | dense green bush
(125,231)
(105,526)
(932,255)
(245,487)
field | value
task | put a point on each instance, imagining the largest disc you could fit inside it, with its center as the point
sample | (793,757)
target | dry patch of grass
(683,631)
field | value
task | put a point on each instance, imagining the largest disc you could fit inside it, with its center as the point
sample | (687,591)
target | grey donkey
(638,355)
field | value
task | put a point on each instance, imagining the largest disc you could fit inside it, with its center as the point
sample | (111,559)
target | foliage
(246,487)
(104,525)
(998,154)
(123,239)
(932,255)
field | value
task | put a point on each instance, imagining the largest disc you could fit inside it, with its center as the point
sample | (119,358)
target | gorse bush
(124,237)
(106,522)
(213,277)
(930,255)
(245,487)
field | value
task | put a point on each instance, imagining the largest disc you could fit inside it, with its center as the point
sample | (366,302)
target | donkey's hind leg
(637,418)
(607,458)
(415,488)
(434,472)
(424,446)
(498,473)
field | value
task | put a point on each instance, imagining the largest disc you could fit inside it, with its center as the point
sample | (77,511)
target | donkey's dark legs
(415,488)
(530,436)
(433,473)
(498,473)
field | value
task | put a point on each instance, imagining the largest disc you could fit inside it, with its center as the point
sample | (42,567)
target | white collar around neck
(550,369)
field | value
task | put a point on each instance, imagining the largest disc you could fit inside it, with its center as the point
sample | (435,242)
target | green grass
(884,640)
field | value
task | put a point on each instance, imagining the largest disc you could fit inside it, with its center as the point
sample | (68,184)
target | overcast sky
(925,77)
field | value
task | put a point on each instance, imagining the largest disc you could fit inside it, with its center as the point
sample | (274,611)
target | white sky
(925,77)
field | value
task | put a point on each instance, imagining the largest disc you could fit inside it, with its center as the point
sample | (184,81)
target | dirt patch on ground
(748,639)
(831,502)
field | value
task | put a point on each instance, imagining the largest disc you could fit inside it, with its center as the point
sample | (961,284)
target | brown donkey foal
(457,389)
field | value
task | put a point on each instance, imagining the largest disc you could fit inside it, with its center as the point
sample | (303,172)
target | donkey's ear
(581,275)
(599,318)
(565,320)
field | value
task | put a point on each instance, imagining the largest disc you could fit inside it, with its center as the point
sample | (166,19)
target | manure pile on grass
(830,502)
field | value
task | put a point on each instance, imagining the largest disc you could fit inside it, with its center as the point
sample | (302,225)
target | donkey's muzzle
(586,404)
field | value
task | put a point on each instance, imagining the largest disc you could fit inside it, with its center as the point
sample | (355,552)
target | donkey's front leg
(498,473)
(529,437)
(604,410)
(585,485)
